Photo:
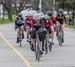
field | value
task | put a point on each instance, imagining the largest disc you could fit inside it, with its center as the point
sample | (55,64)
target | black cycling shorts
(49,29)
(29,24)
(41,34)
(19,25)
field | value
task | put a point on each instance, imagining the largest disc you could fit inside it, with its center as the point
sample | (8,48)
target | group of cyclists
(45,24)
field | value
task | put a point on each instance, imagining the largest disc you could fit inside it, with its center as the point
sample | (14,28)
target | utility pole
(53,4)
(40,5)
(1,10)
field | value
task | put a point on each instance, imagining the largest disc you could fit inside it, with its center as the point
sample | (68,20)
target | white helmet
(47,17)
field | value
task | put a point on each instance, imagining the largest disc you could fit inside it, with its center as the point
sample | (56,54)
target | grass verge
(6,20)
(70,26)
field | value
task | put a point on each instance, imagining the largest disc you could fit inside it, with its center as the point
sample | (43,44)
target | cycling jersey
(28,21)
(53,19)
(59,19)
(48,24)
(38,26)
(19,22)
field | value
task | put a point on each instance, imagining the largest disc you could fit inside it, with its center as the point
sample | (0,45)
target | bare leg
(32,44)
(52,34)
(27,33)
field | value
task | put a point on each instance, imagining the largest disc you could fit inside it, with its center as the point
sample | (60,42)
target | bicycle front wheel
(20,37)
(37,50)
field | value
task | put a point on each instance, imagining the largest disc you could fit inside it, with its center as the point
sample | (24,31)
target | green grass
(70,26)
(6,20)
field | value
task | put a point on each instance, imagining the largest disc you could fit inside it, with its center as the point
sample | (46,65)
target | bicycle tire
(46,47)
(50,46)
(37,51)
(60,42)
(20,38)
(20,44)
(59,37)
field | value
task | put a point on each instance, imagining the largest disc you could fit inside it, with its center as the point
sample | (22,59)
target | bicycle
(37,47)
(59,34)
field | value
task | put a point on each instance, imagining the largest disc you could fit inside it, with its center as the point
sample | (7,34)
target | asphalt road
(11,55)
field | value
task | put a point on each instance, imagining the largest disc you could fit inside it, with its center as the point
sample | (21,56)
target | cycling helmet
(46,17)
(49,13)
(58,15)
(42,18)
(29,14)
(19,15)
(37,17)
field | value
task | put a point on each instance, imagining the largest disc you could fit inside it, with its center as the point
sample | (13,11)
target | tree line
(46,4)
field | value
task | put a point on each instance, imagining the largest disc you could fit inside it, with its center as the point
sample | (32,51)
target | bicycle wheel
(29,39)
(20,43)
(46,47)
(43,45)
(47,43)
(38,54)
(37,50)
(59,37)
(20,37)
(50,46)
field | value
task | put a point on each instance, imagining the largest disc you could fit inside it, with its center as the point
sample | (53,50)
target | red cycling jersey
(28,21)
(44,24)
(52,18)
(48,24)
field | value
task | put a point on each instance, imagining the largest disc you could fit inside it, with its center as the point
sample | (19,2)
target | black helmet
(58,15)
(20,15)
(42,19)
(49,13)
(34,21)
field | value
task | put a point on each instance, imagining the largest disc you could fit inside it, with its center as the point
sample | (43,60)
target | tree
(7,5)
(22,4)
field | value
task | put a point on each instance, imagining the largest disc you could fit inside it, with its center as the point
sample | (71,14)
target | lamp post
(53,4)
(40,5)
(1,8)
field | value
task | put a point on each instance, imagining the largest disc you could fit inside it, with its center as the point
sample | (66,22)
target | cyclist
(52,19)
(19,25)
(60,20)
(37,26)
(44,31)
(49,26)
(28,20)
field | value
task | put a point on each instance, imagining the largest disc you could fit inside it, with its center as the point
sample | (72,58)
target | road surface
(11,55)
